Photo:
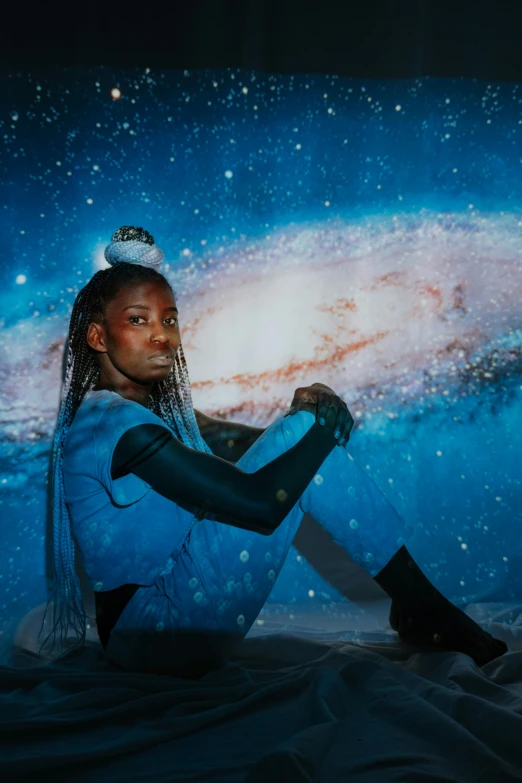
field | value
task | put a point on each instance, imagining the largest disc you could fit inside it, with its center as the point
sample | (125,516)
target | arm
(198,481)
(230,440)
(227,439)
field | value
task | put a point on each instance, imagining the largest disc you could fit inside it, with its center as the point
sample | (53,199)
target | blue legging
(223,575)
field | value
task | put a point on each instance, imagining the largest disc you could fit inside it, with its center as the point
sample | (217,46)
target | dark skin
(125,345)
(131,334)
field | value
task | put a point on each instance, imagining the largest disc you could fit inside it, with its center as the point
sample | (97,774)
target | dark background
(371,39)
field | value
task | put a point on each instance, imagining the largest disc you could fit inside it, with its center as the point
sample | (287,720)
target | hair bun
(130,233)
(134,246)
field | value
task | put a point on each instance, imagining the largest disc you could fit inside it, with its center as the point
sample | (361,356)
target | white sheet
(292,708)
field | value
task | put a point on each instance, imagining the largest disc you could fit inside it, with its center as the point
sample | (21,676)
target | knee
(295,426)
(283,433)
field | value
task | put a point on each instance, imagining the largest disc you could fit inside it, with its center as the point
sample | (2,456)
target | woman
(182,547)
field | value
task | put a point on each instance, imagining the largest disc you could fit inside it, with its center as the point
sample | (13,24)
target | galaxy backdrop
(364,234)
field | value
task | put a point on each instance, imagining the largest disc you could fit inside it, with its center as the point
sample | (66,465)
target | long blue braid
(170,400)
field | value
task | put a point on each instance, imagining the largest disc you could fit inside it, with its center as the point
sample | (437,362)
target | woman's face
(138,343)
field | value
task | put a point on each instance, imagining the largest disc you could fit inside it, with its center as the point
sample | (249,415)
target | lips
(162,354)
(162,358)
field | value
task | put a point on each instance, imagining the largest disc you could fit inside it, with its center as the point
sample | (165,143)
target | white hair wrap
(134,252)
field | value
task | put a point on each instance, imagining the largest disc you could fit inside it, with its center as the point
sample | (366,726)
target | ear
(95,337)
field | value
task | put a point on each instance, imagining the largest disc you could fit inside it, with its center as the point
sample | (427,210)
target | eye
(170,318)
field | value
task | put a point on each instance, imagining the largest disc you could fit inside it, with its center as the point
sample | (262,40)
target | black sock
(402,579)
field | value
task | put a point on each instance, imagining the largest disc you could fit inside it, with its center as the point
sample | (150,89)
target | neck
(137,394)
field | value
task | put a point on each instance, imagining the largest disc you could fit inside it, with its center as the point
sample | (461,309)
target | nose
(160,332)
(160,338)
(160,335)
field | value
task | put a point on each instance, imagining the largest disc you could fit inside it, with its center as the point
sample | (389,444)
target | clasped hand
(323,398)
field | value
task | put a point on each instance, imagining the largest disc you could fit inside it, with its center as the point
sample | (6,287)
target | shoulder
(144,435)
(140,442)
(119,413)
(124,428)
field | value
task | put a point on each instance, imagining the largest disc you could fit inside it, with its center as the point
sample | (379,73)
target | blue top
(126,532)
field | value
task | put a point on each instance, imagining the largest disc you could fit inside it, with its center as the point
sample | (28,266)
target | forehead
(147,292)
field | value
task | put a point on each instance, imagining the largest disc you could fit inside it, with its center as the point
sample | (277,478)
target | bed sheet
(299,703)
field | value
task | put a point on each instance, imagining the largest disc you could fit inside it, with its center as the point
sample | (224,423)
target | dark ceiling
(374,38)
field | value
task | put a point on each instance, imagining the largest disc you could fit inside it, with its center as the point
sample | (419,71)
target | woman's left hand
(306,396)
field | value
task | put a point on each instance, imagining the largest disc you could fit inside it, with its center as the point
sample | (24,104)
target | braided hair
(170,399)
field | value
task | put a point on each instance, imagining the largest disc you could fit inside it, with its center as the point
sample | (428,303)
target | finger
(326,412)
(331,418)
(322,408)
(340,424)
(345,437)
(348,426)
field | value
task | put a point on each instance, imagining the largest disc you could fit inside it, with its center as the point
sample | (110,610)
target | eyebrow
(144,307)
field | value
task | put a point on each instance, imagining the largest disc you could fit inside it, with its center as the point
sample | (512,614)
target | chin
(164,372)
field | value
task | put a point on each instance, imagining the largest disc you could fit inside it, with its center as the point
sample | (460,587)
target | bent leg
(350,506)
(225,574)
(219,583)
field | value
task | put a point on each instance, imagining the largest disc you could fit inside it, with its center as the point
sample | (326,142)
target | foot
(445,627)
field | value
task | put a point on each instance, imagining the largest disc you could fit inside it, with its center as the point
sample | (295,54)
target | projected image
(366,235)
